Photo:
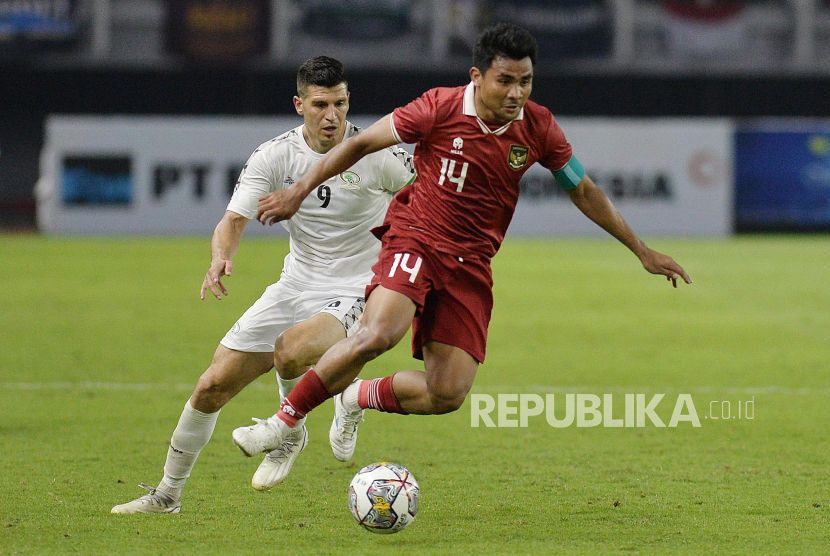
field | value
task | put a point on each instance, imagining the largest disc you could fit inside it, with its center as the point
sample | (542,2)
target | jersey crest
(351,180)
(517,157)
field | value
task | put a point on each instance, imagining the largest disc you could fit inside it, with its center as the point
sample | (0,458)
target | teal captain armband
(570,175)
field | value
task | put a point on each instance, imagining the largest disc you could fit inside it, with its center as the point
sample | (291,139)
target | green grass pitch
(103,341)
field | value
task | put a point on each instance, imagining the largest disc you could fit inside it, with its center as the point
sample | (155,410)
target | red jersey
(468,171)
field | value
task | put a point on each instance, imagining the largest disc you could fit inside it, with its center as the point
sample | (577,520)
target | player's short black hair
(503,39)
(321,71)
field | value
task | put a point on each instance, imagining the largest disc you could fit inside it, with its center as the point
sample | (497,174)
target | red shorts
(454,296)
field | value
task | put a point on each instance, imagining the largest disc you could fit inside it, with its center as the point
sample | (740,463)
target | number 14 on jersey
(448,171)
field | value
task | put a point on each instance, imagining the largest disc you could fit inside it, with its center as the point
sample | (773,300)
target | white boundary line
(488,389)
(126,386)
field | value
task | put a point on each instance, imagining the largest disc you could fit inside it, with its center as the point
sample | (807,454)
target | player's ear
(298,105)
(475,75)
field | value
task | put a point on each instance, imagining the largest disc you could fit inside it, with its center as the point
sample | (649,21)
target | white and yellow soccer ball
(383,497)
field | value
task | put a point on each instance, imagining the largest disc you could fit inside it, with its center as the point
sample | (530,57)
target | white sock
(191,435)
(349,396)
(287,384)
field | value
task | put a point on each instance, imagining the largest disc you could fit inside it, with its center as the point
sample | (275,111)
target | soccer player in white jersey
(319,296)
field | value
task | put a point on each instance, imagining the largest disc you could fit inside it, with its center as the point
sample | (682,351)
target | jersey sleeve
(262,174)
(556,150)
(415,120)
(397,171)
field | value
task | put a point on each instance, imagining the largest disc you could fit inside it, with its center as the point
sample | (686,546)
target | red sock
(305,396)
(378,394)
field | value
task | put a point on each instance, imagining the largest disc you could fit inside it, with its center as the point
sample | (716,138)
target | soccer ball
(383,497)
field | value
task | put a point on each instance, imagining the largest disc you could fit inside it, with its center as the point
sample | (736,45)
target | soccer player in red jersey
(474,143)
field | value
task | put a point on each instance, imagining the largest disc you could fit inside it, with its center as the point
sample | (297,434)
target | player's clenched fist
(213,278)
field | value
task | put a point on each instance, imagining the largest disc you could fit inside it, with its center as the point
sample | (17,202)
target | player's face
(503,90)
(324,113)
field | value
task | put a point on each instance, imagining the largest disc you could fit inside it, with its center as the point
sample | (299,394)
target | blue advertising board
(97,180)
(37,25)
(782,177)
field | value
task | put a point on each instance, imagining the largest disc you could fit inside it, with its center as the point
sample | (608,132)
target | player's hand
(657,263)
(213,278)
(278,206)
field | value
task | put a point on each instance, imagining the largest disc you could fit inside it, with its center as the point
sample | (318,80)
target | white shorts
(280,308)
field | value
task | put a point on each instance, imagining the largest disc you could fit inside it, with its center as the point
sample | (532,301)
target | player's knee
(288,359)
(370,342)
(210,394)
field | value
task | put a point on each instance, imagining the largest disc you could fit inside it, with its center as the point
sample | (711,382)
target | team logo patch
(351,180)
(517,156)
(235,329)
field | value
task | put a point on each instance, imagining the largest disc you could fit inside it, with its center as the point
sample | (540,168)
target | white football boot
(266,435)
(277,463)
(343,431)
(154,502)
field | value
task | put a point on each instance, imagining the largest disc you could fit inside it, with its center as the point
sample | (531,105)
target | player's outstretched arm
(283,204)
(598,207)
(223,247)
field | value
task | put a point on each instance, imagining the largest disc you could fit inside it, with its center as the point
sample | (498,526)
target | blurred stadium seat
(564,29)
(359,20)
(614,35)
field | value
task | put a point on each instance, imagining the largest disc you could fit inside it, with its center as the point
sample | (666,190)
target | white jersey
(331,246)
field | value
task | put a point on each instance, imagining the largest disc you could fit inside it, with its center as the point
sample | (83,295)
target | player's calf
(446,396)
(446,402)
(449,376)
